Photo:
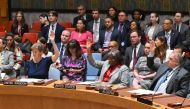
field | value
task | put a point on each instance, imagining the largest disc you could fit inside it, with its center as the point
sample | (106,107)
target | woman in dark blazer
(19,26)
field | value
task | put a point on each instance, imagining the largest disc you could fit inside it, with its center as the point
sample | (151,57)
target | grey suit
(7,63)
(179,82)
(183,28)
(157,29)
(119,76)
(128,54)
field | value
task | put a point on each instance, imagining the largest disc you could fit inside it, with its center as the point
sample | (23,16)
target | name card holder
(65,86)
(108,92)
(17,83)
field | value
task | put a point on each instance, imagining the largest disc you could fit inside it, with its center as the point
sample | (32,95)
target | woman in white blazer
(112,70)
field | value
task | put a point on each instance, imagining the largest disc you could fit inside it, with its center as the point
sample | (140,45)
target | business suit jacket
(88,19)
(157,29)
(8,62)
(114,37)
(175,38)
(24,29)
(119,76)
(123,37)
(128,54)
(183,28)
(58,32)
(179,82)
(91,23)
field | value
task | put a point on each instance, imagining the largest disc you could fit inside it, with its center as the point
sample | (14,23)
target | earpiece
(45,18)
(156,18)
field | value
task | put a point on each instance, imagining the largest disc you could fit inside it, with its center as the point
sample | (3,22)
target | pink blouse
(82,38)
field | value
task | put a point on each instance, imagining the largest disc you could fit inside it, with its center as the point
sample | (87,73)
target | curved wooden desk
(47,97)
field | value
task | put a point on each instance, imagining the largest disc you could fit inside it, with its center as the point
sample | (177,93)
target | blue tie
(162,79)
(61,53)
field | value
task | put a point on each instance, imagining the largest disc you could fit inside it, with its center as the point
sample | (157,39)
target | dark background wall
(69,5)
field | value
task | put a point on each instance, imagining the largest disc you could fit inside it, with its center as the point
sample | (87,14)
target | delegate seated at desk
(112,70)
(38,67)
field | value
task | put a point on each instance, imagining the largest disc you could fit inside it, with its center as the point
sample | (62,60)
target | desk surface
(47,97)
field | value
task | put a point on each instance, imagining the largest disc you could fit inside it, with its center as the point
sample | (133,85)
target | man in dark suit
(179,25)
(82,15)
(171,77)
(95,26)
(173,37)
(108,34)
(133,52)
(54,26)
(123,25)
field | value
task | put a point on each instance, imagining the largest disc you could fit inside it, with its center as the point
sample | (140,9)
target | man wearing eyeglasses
(82,15)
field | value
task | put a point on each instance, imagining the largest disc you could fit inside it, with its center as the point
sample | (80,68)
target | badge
(122,43)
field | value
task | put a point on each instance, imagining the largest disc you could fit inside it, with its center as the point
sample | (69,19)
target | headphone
(45,18)
(157,19)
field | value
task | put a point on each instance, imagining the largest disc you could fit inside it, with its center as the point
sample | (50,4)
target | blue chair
(54,73)
(92,72)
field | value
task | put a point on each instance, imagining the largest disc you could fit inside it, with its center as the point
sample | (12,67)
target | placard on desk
(166,99)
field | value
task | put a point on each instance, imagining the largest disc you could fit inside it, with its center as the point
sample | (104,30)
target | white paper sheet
(142,91)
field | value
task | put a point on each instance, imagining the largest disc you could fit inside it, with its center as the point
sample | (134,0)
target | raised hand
(88,46)
(152,47)
(52,36)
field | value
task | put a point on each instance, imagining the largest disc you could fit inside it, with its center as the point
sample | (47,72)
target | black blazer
(178,84)
(123,37)
(128,54)
(88,19)
(184,28)
(175,38)
(24,29)
(114,36)
(91,23)
(58,32)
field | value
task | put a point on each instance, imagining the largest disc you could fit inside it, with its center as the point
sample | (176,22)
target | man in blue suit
(108,34)
(54,26)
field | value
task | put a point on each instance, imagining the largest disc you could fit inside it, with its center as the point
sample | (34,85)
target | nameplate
(18,83)
(65,86)
(144,100)
(109,92)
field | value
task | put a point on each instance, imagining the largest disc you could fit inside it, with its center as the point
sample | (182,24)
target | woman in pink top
(81,34)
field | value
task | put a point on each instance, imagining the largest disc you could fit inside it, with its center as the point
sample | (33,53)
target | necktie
(162,79)
(177,28)
(61,53)
(52,27)
(120,27)
(134,58)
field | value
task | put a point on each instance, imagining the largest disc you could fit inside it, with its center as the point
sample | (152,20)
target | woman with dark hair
(134,26)
(112,70)
(74,65)
(139,17)
(159,48)
(14,47)
(81,34)
(153,27)
(19,26)
(113,13)
(44,20)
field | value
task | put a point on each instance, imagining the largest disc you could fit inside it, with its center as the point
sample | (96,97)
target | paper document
(31,80)
(142,91)
(86,82)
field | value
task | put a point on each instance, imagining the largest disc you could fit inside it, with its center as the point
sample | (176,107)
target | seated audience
(135,51)
(112,70)
(143,75)
(6,60)
(39,66)
(74,65)
(53,26)
(172,36)
(112,13)
(138,16)
(46,52)
(95,26)
(171,77)
(81,34)
(19,26)
(14,47)
(153,27)
(108,34)
(44,20)
(81,15)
